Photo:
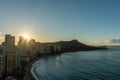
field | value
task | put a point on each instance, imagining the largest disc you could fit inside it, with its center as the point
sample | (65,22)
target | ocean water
(84,65)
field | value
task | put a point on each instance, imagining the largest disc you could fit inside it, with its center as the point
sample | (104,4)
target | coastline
(29,67)
(48,65)
(29,74)
(33,73)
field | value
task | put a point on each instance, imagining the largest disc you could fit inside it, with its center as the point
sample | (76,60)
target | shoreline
(28,74)
(28,68)
(33,73)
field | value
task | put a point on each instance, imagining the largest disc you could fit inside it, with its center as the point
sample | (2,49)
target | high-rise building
(9,40)
(22,42)
(9,51)
(22,55)
(2,64)
(21,39)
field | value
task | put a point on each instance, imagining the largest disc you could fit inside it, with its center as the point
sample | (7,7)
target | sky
(55,20)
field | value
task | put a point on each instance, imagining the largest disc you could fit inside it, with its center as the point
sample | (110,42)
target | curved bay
(85,65)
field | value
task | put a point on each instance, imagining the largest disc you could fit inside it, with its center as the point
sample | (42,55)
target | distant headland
(75,45)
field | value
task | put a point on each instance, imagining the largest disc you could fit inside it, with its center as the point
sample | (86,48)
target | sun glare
(26,36)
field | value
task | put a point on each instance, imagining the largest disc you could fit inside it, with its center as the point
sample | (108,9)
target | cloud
(105,42)
(114,40)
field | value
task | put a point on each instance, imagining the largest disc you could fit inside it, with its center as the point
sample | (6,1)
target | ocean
(83,65)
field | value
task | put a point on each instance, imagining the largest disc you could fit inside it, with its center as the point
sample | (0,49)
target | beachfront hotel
(9,52)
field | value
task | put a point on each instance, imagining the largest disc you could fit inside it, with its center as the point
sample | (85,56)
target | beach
(28,74)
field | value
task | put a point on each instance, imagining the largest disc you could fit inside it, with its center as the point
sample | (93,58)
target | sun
(26,36)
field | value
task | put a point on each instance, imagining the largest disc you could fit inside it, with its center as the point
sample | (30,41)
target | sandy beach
(28,75)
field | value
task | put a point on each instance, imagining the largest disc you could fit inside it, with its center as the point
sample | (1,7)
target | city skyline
(51,20)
